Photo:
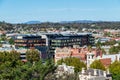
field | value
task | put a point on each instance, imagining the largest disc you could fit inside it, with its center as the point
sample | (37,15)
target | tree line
(12,68)
(46,25)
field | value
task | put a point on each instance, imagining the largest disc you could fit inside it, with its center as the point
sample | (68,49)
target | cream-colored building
(94,74)
(64,69)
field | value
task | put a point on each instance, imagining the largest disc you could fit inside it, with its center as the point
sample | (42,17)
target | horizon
(35,21)
(21,11)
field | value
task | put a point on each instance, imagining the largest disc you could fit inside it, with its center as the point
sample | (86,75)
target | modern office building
(31,41)
(48,42)
(60,40)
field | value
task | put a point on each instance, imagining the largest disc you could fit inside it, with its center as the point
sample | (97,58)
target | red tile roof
(106,62)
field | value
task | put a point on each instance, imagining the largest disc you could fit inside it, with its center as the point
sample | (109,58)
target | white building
(90,58)
(112,56)
(64,69)
(94,74)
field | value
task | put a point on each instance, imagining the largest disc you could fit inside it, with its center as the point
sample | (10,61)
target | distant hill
(79,24)
(32,22)
(80,21)
(64,22)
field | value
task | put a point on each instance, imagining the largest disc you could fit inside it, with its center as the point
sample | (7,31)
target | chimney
(95,72)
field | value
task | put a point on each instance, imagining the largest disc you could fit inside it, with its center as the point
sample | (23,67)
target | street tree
(97,65)
(33,55)
(72,61)
(115,70)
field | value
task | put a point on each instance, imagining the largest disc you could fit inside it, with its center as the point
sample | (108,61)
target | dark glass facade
(29,41)
(52,41)
(32,41)
(68,40)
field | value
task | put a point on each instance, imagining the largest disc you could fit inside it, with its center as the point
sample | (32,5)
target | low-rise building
(83,53)
(113,57)
(79,52)
(94,74)
(104,39)
(113,32)
(64,69)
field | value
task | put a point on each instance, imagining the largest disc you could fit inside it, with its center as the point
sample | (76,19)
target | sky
(19,11)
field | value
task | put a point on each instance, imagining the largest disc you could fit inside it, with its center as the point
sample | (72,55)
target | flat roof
(64,34)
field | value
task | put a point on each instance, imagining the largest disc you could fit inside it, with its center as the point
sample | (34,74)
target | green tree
(11,41)
(115,70)
(103,51)
(12,68)
(114,50)
(9,61)
(112,42)
(33,55)
(97,65)
(9,56)
(3,37)
(14,55)
(44,68)
(72,61)
(98,44)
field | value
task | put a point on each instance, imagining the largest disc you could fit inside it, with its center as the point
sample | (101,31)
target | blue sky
(17,11)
